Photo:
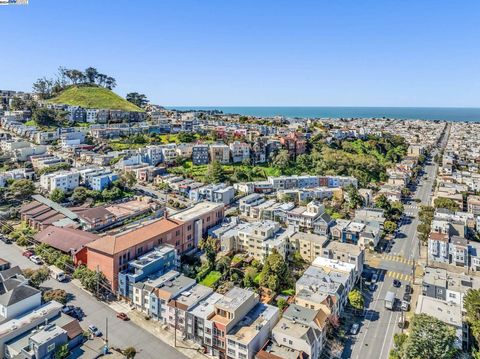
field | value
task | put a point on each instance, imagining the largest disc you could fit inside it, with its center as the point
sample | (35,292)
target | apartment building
(200,155)
(246,338)
(63,180)
(228,312)
(308,245)
(157,262)
(305,217)
(240,151)
(219,193)
(220,152)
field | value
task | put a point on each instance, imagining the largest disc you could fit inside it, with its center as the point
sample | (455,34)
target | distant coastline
(407,113)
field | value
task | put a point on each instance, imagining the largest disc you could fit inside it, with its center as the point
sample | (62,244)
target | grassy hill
(94,97)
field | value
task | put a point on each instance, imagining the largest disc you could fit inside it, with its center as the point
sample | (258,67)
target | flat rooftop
(196,211)
(449,313)
(234,298)
(250,325)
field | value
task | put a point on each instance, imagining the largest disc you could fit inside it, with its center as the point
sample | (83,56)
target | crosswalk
(399,276)
(400,259)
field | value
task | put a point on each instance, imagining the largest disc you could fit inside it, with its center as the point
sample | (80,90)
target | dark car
(122,316)
(408,289)
(407,297)
(5,240)
(77,313)
(396,283)
(68,309)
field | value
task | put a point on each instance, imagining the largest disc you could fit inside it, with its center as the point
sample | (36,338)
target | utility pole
(403,323)
(106,334)
(175,328)
(98,270)
(413,271)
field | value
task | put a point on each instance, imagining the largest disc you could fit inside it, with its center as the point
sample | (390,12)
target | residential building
(219,193)
(200,155)
(240,151)
(63,180)
(157,262)
(246,338)
(220,152)
(308,245)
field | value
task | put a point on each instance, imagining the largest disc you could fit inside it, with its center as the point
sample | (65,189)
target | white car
(36,259)
(94,330)
(354,329)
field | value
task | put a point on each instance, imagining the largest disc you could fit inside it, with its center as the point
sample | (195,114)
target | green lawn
(211,279)
(94,97)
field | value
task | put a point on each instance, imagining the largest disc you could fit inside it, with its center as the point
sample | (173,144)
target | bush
(58,295)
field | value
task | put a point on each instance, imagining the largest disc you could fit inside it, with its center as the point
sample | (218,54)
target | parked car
(397,283)
(94,330)
(408,289)
(78,313)
(68,309)
(27,254)
(5,240)
(354,329)
(405,306)
(372,287)
(36,259)
(407,297)
(374,278)
(122,316)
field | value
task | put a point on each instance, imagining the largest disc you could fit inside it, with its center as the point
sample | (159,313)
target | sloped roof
(118,243)
(65,239)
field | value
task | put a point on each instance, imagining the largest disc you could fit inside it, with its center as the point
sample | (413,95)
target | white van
(57,273)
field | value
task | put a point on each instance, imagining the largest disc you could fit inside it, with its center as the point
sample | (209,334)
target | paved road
(120,334)
(375,338)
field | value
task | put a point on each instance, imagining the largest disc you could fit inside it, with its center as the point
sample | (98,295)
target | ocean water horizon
(453,114)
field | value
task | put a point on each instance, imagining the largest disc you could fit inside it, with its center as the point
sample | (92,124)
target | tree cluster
(425,215)
(90,279)
(275,273)
(37,276)
(53,256)
(47,88)
(137,99)
(428,338)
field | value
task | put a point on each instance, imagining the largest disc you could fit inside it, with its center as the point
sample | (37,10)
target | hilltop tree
(91,74)
(43,88)
(138,99)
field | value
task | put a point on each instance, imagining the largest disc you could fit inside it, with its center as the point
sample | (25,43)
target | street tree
(37,276)
(389,227)
(356,300)
(471,303)
(130,352)
(429,338)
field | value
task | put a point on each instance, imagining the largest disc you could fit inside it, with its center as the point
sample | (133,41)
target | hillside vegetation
(94,97)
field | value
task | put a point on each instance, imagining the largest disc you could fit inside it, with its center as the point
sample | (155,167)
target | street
(375,337)
(120,334)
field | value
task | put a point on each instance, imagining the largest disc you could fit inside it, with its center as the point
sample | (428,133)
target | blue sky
(255,52)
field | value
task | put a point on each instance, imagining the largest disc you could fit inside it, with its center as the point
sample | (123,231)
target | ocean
(460,114)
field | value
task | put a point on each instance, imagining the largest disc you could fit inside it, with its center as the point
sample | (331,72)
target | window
(51,347)
(189,228)
(177,233)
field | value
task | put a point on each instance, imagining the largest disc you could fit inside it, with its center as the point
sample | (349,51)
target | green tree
(137,99)
(91,74)
(249,278)
(389,227)
(429,338)
(223,264)
(447,203)
(37,276)
(130,352)
(354,199)
(282,304)
(215,173)
(398,340)
(282,160)
(275,273)
(80,194)
(57,195)
(61,352)
(89,278)
(471,303)
(186,137)
(356,300)
(44,116)
(21,189)
(383,203)
(210,247)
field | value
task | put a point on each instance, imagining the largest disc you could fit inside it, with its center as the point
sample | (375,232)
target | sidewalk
(186,347)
